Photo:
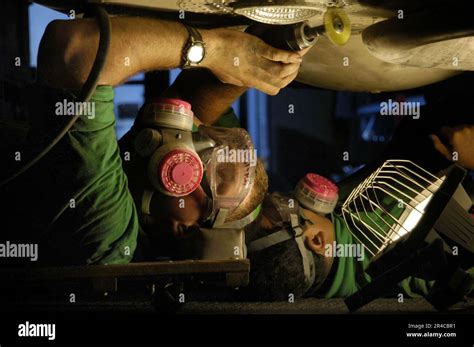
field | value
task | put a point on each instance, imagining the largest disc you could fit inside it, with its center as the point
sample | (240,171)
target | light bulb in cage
(389,203)
(413,218)
(410,220)
(277,11)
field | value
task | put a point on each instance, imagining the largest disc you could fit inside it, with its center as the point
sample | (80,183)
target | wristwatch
(194,49)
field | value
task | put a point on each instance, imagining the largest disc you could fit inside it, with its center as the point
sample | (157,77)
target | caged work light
(413,223)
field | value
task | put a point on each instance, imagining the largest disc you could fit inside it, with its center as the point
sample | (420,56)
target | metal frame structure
(401,180)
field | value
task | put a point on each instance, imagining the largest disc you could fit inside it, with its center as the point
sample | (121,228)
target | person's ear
(315,240)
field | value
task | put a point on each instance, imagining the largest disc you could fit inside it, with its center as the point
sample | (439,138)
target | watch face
(196,53)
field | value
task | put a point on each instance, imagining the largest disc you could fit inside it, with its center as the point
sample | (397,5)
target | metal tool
(298,36)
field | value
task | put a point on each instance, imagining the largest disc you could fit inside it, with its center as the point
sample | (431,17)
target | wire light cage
(413,223)
(388,204)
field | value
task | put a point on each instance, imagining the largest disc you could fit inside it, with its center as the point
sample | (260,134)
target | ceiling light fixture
(279,12)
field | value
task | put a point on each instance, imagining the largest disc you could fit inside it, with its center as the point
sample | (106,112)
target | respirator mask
(220,160)
(314,193)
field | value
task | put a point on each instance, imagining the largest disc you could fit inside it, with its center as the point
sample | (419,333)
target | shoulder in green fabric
(103,225)
(350,275)
(347,279)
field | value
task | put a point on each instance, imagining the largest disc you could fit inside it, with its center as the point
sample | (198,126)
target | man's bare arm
(461,144)
(209,97)
(68,49)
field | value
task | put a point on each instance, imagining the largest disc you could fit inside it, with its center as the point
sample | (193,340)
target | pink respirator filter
(170,113)
(180,170)
(317,193)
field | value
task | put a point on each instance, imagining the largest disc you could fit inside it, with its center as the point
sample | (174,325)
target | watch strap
(193,38)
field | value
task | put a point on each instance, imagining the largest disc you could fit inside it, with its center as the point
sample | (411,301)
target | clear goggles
(229,167)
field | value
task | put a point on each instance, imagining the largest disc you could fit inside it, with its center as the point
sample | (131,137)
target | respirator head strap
(268,241)
(220,218)
(295,231)
(146,201)
(306,255)
(242,223)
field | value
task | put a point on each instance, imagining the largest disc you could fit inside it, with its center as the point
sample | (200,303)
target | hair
(277,271)
(255,196)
